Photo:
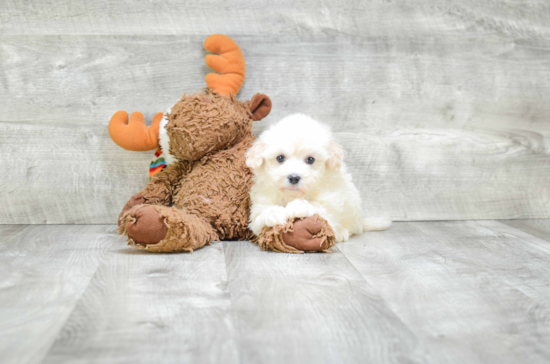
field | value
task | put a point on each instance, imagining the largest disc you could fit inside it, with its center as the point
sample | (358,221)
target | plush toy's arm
(163,185)
(160,189)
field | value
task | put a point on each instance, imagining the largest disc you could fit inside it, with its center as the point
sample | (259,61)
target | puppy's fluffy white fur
(324,187)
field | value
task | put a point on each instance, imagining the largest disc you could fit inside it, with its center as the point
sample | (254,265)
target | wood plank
(530,262)
(536,227)
(142,307)
(448,81)
(467,292)
(66,174)
(377,17)
(43,272)
(454,126)
(312,308)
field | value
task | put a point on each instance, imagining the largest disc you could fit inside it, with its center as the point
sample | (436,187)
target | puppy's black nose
(293,179)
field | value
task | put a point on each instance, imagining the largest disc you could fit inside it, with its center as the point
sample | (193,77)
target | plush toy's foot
(311,234)
(135,200)
(165,229)
(146,226)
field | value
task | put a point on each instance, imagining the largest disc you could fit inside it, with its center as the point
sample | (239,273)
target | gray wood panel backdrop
(443,106)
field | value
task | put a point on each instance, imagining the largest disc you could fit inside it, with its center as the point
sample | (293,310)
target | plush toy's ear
(336,155)
(260,106)
(254,157)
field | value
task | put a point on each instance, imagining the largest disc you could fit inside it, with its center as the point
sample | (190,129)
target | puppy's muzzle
(293,179)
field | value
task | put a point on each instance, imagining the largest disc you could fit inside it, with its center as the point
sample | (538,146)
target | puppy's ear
(336,155)
(254,159)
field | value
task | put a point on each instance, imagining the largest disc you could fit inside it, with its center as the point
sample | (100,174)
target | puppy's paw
(274,215)
(299,208)
(342,235)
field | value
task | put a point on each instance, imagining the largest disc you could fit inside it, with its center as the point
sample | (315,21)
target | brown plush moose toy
(202,194)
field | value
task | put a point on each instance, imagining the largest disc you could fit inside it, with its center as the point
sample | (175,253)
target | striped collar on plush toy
(162,155)
(157,164)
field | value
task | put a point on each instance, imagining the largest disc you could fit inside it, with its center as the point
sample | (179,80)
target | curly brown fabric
(298,236)
(164,184)
(216,188)
(203,122)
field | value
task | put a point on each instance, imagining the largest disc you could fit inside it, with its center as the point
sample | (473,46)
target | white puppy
(299,171)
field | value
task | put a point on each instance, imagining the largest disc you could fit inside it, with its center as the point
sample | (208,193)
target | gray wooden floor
(422,292)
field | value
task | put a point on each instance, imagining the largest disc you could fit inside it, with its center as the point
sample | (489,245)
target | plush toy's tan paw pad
(135,200)
(146,226)
(307,235)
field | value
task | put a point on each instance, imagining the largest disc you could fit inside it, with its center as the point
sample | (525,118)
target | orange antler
(134,135)
(228,62)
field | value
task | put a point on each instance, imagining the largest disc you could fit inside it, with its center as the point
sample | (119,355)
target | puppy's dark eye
(310,160)
(281,158)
